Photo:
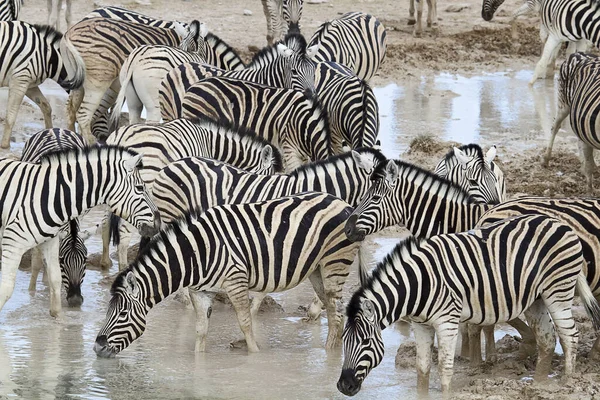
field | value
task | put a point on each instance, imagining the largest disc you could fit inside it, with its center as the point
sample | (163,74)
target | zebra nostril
(102,341)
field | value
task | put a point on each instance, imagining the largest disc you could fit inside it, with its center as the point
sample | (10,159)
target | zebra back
(10,10)
(356,40)
(290,119)
(123,14)
(166,143)
(352,108)
(479,175)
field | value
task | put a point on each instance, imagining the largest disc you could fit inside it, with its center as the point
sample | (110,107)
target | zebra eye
(139,188)
(473,182)
(376,197)
(365,342)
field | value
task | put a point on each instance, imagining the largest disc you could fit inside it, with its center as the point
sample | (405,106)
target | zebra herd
(257,177)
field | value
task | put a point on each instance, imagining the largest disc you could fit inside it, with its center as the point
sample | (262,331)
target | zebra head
(128,197)
(377,207)
(292,13)
(72,256)
(489,7)
(479,175)
(125,318)
(194,39)
(362,343)
(300,68)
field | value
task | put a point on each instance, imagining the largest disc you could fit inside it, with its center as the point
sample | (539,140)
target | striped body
(29,54)
(356,40)
(118,13)
(72,252)
(351,106)
(289,119)
(243,247)
(10,10)
(196,184)
(480,176)
(277,66)
(484,276)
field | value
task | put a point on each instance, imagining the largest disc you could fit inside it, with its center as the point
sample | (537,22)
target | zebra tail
(113,230)
(589,301)
(74,65)
(363,265)
(115,115)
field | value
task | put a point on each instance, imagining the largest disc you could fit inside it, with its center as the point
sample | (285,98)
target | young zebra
(402,193)
(480,176)
(277,66)
(123,14)
(29,54)
(470,277)
(578,90)
(164,144)
(94,51)
(146,67)
(431,15)
(259,247)
(70,183)
(356,40)
(10,10)
(290,119)
(351,106)
(72,253)
(283,17)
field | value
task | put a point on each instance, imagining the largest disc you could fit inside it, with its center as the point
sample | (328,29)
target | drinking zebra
(277,65)
(10,10)
(72,253)
(260,247)
(70,183)
(290,119)
(356,40)
(283,17)
(480,176)
(146,66)
(470,277)
(94,51)
(29,54)
(164,144)
(402,193)
(352,109)
(578,90)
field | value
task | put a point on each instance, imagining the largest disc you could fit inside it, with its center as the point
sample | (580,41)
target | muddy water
(45,358)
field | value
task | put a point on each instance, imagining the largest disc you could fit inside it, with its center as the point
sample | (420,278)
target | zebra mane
(243,133)
(214,42)
(49,32)
(267,53)
(88,151)
(469,149)
(297,42)
(333,159)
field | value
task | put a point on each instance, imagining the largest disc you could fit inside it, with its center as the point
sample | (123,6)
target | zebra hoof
(238,344)
(411,21)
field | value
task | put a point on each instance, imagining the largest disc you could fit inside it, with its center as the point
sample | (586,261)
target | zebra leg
(424,335)
(588,164)
(314,310)
(135,105)
(475,344)
(528,345)
(257,300)
(73,104)
(330,296)
(562,113)
(36,267)
(490,344)
(38,98)
(465,349)
(53,12)
(595,352)
(447,334)
(549,48)
(68,15)
(93,93)
(105,261)
(202,302)
(431,17)
(418,31)
(236,287)
(562,316)
(16,91)
(411,13)
(125,239)
(10,264)
(541,325)
(50,254)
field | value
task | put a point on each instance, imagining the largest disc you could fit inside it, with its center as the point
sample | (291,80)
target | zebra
(351,106)
(402,193)
(480,176)
(146,66)
(118,13)
(431,15)
(10,10)
(356,40)
(470,277)
(259,247)
(578,97)
(283,17)
(72,253)
(164,144)
(292,120)
(277,65)
(94,51)
(69,183)
(29,55)
(54,7)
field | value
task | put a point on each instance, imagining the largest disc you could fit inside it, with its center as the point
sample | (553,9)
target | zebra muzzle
(352,233)
(348,384)
(102,349)
(74,297)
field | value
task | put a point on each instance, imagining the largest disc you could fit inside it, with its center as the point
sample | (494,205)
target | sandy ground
(463,43)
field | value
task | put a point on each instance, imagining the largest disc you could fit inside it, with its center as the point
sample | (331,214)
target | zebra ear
(266,155)
(203,30)
(368,310)
(312,51)
(363,161)
(345,147)
(490,155)
(283,50)
(377,145)
(462,158)
(131,163)
(132,285)
(391,171)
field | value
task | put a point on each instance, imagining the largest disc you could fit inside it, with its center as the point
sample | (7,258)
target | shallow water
(45,358)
